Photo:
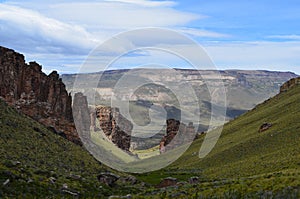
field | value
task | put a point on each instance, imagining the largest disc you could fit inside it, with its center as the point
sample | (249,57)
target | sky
(257,34)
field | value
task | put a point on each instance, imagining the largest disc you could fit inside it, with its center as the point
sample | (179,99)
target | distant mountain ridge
(258,85)
(244,88)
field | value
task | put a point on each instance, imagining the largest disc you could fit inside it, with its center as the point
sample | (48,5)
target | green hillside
(245,162)
(35,162)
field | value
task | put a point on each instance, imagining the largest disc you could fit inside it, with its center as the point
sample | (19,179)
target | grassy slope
(245,163)
(42,155)
(243,151)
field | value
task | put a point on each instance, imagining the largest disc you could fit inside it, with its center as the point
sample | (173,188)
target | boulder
(193,180)
(72,193)
(65,186)
(52,180)
(128,180)
(128,196)
(166,182)
(74,177)
(108,178)
(6,182)
(265,126)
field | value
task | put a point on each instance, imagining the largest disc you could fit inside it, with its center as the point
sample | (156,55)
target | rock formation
(177,134)
(289,84)
(41,97)
(108,178)
(167,182)
(116,127)
(93,117)
(265,126)
(82,116)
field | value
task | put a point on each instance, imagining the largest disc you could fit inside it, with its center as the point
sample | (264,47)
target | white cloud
(256,55)
(289,37)
(280,56)
(202,33)
(115,15)
(32,31)
(40,29)
(65,26)
(60,34)
(146,3)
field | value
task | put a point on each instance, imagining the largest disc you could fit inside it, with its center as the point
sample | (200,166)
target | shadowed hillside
(34,162)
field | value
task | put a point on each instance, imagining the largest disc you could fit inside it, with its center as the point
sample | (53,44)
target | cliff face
(82,116)
(177,134)
(41,97)
(116,127)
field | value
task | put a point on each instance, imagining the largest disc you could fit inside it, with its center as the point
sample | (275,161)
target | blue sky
(257,34)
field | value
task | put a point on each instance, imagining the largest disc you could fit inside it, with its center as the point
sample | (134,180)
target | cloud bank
(61,34)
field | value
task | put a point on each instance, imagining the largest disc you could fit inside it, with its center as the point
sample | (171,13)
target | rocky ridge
(290,84)
(39,96)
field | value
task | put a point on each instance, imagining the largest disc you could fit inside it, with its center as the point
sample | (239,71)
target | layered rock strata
(116,127)
(42,97)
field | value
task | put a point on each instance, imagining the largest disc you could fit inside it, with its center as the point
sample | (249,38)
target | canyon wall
(115,126)
(177,134)
(37,95)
